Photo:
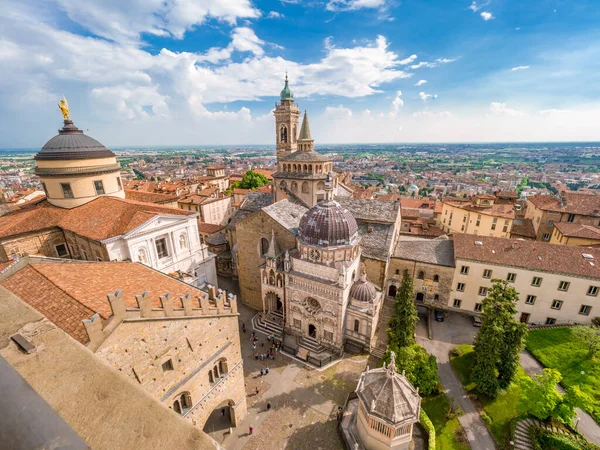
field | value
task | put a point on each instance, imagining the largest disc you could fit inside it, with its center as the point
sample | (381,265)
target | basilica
(313,260)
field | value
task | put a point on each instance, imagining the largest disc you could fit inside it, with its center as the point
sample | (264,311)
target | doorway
(279,305)
(312,331)
(525,317)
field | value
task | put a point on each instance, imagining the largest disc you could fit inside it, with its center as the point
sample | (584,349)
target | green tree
(420,368)
(253,180)
(499,340)
(590,337)
(402,324)
(541,398)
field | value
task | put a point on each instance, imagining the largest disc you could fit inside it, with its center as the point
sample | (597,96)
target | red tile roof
(32,218)
(68,292)
(149,197)
(529,255)
(573,203)
(205,227)
(578,230)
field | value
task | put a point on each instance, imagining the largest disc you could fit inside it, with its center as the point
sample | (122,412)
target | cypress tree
(402,324)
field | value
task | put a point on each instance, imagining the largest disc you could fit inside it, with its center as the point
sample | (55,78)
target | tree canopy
(419,366)
(252,180)
(402,324)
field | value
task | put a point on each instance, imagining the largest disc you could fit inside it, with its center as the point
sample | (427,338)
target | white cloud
(408,60)
(475,7)
(124,21)
(420,82)
(275,15)
(485,15)
(514,69)
(338,112)
(397,104)
(501,109)
(432,115)
(432,64)
(354,5)
(423,96)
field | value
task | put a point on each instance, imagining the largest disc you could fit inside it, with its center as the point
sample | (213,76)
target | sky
(209,72)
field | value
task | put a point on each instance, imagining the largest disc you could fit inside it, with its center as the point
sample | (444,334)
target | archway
(392,290)
(312,331)
(273,302)
(220,420)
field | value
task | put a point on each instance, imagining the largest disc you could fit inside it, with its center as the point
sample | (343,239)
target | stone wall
(94,250)
(249,232)
(172,356)
(427,286)
(41,242)
(376,271)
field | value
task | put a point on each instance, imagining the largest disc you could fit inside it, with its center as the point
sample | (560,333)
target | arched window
(183,243)
(320,186)
(283,135)
(295,168)
(176,407)
(356,325)
(392,290)
(223,366)
(397,272)
(211,379)
(294,187)
(185,400)
(264,246)
(310,168)
(436,297)
(421,275)
(436,278)
(272,278)
(215,372)
(420,297)
(305,187)
(143,256)
(305,168)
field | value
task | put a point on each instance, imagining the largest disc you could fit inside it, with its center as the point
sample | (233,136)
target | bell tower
(286,122)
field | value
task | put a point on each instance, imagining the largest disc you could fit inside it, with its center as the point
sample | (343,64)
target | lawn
(446,430)
(558,349)
(502,409)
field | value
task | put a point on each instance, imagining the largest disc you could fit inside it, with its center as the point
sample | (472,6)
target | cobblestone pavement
(303,400)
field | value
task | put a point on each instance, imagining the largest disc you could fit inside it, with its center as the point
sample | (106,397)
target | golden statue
(64,108)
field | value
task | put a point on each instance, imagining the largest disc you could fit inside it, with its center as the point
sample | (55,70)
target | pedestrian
(261,372)
(250,430)
(256,356)
(267,371)
(244,328)
(268,406)
(262,344)
(257,391)
(223,412)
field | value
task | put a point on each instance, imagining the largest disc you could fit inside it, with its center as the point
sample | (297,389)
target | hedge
(429,429)
(542,438)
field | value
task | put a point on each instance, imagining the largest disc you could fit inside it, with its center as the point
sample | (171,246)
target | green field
(447,430)
(558,349)
(502,409)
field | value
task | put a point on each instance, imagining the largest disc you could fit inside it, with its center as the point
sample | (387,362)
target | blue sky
(201,72)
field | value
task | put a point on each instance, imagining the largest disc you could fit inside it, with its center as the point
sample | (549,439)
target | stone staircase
(269,323)
(311,345)
(522,438)
(380,339)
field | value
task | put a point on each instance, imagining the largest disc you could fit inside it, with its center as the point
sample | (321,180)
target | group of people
(275,346)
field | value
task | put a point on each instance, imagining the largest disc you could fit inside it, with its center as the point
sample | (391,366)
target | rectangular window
(530,300)
(167,365)
(557,304)
(537,281)
(563,286)
(593,291)
(478,220)
(328,335)
(464,219)
(546,236)
(550,321)
(511,277)
(67,191)
(550,223)
(495,220)
(356,325)
(462,228)
(119,183)
(61,250)
(482,291)
(464,270)
(505,229)
(487,273)
(585,310)
(477,307)
(460,287)
(99,187)
(571,218)
(493,226)
(161,248)
(457,303)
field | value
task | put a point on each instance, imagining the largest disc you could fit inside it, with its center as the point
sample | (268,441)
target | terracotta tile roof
(241,191)
(268,174)
(506,211)
(205,227)
(393,197)
(410,214)
(523,227)
(149,197)
(32,218)
(107,217)
(573,203)
(529,255)
(266,189)
(68,292)
(578,230)
(141,185)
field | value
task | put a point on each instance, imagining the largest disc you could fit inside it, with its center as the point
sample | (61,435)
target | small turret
(305,141)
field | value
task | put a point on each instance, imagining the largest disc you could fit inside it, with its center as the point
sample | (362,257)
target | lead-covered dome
(72,144)
(286,92)
(328,224)
(363,290)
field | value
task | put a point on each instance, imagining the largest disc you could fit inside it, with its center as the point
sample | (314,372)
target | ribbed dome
(363,290)
(328,224)
(72,144)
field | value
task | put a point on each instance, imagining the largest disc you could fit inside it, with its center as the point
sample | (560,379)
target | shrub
(487,419)
(542,439)
(429,429)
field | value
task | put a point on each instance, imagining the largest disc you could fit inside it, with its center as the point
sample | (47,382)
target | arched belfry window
(264,246)
(283,136)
